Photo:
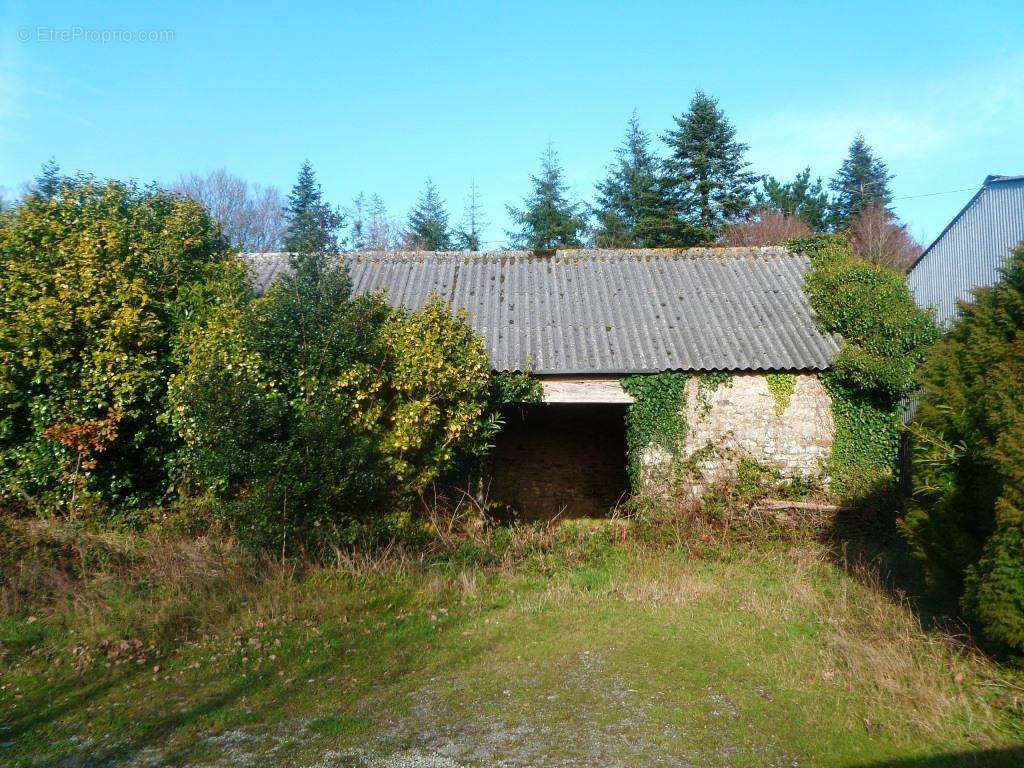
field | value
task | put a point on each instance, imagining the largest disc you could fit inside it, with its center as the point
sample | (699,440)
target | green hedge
(967,520)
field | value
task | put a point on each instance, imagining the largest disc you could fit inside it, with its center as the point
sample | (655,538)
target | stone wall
(741,419)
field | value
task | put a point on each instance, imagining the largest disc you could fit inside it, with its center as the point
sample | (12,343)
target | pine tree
(357,214)
(800,197)
(862,181)
(706,173)
(49,180)
(428,222)
(313,225)
(467,237)
(632,208)
(548,218)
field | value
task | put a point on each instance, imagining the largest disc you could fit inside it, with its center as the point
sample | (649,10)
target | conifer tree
(548,218)
(468,237)
(632,208)
(966,521)
(706,172)
(313,225)
(49,180)
(801,197)
(862,181)
(428,222)
(358,238)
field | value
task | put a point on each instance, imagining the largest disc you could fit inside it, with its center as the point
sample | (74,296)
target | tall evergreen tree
(862,181)
(49,180)
(313,225)
(801,197)
(357,213)
(467,237)
(548,218)
(633,209)
(428,222)
(706,172)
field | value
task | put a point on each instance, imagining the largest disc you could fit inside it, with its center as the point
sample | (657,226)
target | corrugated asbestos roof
(599,311)
(972,249)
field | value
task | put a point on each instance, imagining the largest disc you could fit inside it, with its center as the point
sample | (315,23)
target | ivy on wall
(707,383)
(655,418)
(863,458)
(885,335)
(781,386)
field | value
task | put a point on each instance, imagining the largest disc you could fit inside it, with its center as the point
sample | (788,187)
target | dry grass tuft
(879,646)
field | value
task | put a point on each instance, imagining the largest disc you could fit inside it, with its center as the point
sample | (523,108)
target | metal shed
(972,249)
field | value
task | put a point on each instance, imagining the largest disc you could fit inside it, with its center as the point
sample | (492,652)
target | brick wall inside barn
(560,460)
(741,419)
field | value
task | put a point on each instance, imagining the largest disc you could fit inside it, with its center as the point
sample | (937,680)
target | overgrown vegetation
(885,337)
(967,519)
(311,417)
(515,387)
(657,426)
(98,281)
(781,386)
(656,420)
(707,384)
(140,377)
(192,651)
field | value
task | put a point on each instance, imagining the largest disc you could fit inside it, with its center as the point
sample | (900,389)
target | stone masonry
(740,419)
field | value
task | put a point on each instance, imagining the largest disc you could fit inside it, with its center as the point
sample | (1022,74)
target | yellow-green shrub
(95,282)
(310,417)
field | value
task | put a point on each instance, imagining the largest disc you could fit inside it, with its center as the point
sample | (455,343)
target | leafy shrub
(885,333)
(967,522)
(310,416)
(885,337)
(97,281)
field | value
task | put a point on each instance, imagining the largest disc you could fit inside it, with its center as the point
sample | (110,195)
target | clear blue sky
(381,95)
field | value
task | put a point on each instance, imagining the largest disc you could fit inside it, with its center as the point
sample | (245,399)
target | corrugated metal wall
(971,251)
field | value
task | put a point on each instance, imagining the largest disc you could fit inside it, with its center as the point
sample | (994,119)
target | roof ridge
(995,178)
(560,254)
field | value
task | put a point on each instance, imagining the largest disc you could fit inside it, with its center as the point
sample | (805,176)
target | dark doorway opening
(560,460)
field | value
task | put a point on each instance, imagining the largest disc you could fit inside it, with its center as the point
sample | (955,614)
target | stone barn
(732,324)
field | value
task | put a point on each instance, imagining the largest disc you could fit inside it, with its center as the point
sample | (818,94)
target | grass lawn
(587,652)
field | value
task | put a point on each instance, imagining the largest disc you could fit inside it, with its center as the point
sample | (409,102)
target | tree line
(699,191)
